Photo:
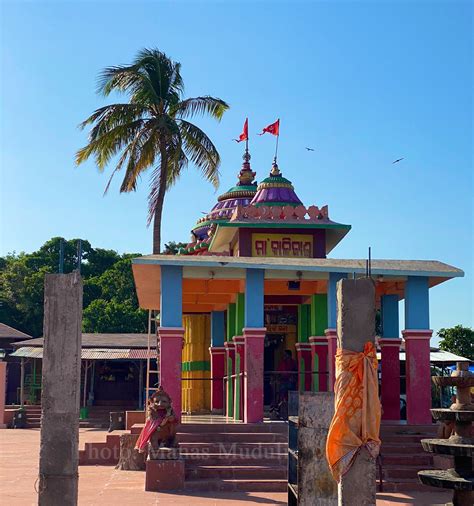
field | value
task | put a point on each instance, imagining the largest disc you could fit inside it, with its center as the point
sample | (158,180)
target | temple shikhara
(255,282)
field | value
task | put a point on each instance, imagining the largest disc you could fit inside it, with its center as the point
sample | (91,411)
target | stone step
(408,429)
(253,448)
(402,438)
(405,449)
(237,459)
(237,485)
(405,473)
(275,428)
(237,437)
(402,460)
(206,472)
(404,486)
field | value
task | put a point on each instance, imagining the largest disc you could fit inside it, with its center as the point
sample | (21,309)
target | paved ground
(104,486)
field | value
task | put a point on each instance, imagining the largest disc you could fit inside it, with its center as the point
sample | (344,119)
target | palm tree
(152,130)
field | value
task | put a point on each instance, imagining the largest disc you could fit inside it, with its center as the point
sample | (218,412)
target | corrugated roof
(439,356)
(90,353)
(10,333)
(102,341)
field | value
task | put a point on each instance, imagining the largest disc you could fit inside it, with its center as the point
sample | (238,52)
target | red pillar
(303,352)
(171,347)
(3,388)
(390,384)
(319,361)
(331,336)
(253,374)
(239,384)
(418,376)
(217,375)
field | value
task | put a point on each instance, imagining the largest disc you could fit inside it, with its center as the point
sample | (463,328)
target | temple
(256,280)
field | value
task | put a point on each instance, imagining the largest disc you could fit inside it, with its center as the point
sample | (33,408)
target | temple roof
(275,190)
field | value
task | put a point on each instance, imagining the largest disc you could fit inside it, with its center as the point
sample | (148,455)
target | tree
(110,301)
(151,130)
(458,340)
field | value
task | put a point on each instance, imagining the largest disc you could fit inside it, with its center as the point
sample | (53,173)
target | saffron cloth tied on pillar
(356,421)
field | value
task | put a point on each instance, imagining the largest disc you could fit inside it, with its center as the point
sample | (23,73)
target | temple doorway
(281,324)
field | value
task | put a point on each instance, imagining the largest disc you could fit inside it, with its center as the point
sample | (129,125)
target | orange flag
(244,136)
(273,129)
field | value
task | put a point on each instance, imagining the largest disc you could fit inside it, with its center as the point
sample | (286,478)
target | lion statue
(160,428)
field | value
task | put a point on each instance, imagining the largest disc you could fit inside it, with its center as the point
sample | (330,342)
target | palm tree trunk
(159,203)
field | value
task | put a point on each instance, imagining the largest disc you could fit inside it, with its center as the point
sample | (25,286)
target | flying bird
(399,160)
(309,149)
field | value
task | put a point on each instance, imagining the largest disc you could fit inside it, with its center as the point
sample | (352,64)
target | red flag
(244,136)
(273,129)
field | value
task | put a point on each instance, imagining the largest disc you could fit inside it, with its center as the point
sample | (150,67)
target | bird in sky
(399,160)
(309,149)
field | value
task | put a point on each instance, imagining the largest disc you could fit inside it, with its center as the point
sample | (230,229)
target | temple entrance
(279,374)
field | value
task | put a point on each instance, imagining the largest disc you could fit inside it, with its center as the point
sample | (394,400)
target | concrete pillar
(390,352)
(239,384)
(61,386)
(417,335)
(303,354)
(254,337)
(356,326)
(3,389)
(171,333)
(330,332)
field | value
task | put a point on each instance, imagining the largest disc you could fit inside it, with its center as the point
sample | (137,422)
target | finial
(246,175)
(275,170)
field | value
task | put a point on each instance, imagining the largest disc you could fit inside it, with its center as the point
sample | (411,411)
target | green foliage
(152,130)
(458,340)
(172,247)
(110,301)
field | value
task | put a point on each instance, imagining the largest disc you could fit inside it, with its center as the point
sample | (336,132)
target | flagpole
(276,148)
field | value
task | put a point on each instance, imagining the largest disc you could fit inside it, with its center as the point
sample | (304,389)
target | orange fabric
(356,421)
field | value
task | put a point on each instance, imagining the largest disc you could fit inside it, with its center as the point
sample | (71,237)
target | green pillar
(304,317)
(319,314)
(237,388)
(239,314)
(230,321)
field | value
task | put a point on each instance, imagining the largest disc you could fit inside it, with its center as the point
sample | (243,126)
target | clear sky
(363,83)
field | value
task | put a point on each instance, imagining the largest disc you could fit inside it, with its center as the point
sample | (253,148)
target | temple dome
(239,195)
(275,190)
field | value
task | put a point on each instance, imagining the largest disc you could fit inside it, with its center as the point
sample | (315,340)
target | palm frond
(201,151)
(190,107)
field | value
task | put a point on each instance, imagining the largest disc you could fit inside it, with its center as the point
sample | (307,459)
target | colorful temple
(256,280)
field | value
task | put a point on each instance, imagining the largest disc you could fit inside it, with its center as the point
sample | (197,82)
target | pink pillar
(3,389)
(253,377)
(239,390)
(171,348)
(418,376)
(303,352)
(390,385)
(331,336)
(319,361)
(217,375)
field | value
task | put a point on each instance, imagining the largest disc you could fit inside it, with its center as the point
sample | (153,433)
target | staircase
(33,416)
(235,457)
(99,415)
(403,456)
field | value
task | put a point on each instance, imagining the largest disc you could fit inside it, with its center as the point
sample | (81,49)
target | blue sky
(363,83)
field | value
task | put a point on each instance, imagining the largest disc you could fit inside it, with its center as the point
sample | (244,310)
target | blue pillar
(171,302)
(334,277)
(217,328)
(254,298)
(417,306)
(389,307)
